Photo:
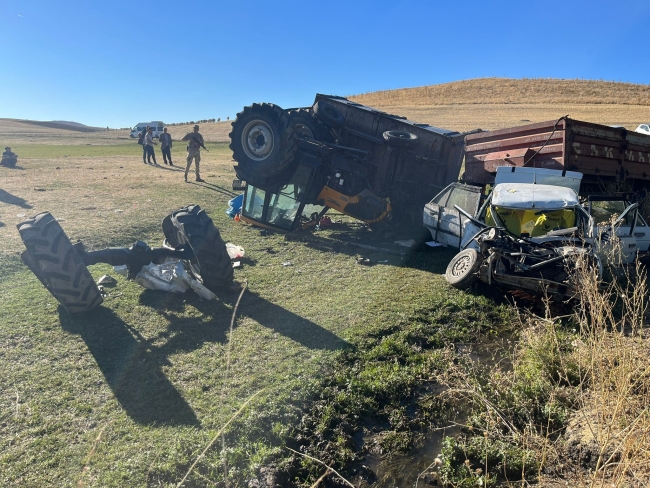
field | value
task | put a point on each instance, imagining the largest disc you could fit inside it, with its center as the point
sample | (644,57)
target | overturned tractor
(338,154)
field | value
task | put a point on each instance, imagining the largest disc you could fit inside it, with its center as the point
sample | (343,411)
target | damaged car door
(447,224)
(615,217)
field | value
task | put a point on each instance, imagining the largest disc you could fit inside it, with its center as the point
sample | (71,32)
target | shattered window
(605,212)
(465,199)
(283,207)
(254,202)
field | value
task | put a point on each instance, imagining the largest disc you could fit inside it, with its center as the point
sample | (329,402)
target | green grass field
(131,393)
(30,151)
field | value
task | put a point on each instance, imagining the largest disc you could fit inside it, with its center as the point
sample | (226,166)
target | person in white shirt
(148,146)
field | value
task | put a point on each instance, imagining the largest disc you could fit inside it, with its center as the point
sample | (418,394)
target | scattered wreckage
(532,231)
(193,253)
(548,212)
(365,163)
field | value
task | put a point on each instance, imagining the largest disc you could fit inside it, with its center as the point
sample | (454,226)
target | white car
(156,125)
(539,205)
(643,129)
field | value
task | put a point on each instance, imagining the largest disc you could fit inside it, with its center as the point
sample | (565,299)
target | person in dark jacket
(166,146)
(141,137)
(9,158)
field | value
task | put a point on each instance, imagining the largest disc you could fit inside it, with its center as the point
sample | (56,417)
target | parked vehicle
(643,129)
(156,125)
(338,154)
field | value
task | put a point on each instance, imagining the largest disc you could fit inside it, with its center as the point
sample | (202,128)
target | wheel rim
(257,140)
(461,266)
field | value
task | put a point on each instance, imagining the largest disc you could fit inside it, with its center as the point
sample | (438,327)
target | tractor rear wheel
(211,264)
(52,258)
(263,141)
(308,126)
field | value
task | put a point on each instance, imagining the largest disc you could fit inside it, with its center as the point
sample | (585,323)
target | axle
(134,257)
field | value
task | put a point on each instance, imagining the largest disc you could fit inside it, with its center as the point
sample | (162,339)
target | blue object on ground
(235,206)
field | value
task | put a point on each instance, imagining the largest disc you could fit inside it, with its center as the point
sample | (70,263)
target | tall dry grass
(573,404)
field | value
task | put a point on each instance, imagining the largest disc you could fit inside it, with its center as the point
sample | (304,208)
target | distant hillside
(506,90)
(60,124)
(75,124)
(497,103)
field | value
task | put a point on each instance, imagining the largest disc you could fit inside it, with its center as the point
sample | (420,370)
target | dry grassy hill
(486,103)
(493,103)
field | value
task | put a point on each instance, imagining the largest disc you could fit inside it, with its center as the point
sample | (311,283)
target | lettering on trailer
(608,152)
(629,155)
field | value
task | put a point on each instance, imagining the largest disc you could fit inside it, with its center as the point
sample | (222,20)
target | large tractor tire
(211,263)
(308,126)
(329,114)
(463,269)
(263,141)
(52,258)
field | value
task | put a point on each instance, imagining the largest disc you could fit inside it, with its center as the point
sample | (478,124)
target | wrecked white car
(531,232)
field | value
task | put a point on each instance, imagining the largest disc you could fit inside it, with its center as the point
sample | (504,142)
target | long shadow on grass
(7,197)
(213,187)
(190,333)
(131,366)
(355,241)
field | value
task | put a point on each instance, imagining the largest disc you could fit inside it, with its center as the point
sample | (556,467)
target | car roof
(528,196)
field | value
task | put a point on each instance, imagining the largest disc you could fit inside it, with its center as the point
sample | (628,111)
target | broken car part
(62,266)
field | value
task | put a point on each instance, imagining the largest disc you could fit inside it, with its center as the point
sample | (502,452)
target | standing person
(194,151)
(148,146)
(166,146)
(141,137)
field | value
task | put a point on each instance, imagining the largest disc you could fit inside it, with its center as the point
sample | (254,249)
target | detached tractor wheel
(211,264)
(329,115)
(463,268)
(399,139)
(263,140)
(308,126)
(52,258)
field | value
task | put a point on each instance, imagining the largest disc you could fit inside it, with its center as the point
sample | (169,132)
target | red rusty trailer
(604,155)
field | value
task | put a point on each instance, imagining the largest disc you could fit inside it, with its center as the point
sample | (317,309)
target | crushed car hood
(528,196)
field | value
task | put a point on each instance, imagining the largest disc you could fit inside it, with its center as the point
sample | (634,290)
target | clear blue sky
(116,63)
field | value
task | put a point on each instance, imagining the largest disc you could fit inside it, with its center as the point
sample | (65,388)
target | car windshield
(534,223)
